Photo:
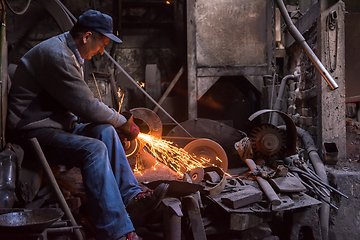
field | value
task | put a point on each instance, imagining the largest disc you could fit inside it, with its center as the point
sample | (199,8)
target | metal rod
(319,181)
(301,40)
(60,197)
(144,92)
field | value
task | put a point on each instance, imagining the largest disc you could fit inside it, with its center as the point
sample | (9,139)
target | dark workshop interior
(249,110)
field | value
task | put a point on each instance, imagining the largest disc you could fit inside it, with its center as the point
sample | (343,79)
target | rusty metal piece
(208,149)
(151,119)
(176,188)
(217,189)
(267,141)
(193,209)
(172,218)
(308,217)
(291,133)
(212,177)
(197,175)
(265,185)
(243,147)
(243,221)
(287,184)
(242,197)
(330,153)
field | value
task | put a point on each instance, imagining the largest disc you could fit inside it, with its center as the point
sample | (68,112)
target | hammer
(265,185)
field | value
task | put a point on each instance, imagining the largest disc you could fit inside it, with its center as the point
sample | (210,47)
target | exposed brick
(291,101)
(291,109)
(302,120)
(305,112)
(309,121)
(296,118)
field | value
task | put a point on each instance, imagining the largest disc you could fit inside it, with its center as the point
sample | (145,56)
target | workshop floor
(351,164)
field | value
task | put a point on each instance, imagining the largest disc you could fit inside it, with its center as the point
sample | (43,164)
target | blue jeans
(107,176)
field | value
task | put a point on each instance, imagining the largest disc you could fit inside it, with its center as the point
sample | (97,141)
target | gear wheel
(267,141)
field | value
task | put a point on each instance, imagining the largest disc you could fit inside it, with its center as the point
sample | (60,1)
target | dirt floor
(352,161)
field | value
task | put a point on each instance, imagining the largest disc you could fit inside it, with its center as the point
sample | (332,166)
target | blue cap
(100,22)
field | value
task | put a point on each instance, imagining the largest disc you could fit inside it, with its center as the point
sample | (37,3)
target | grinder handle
(265,185)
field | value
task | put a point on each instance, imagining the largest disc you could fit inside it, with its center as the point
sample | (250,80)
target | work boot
(130,236)
(145,202)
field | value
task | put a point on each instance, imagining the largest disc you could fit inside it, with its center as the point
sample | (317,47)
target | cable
(22,11)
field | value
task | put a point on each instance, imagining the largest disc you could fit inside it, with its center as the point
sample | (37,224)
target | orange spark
(154,167)
(121,96)
(169,154)
(142,84)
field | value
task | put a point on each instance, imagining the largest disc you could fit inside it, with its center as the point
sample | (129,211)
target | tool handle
(60,197)
(265,185)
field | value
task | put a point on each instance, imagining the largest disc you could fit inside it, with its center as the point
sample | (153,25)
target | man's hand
(128,130)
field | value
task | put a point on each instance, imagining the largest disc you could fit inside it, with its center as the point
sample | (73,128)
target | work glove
(128,130)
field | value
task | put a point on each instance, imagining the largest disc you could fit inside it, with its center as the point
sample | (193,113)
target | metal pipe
(145,93)
(34,142)
(301,40)
(321,172)
(277,105)
(3,73)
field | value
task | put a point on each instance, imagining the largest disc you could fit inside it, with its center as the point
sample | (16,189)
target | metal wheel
(267,141)
(208,149)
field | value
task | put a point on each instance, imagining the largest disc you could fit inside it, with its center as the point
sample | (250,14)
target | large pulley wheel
(210,150)
(154,128)
(267,141)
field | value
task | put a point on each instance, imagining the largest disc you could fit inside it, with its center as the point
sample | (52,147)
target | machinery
(150,124)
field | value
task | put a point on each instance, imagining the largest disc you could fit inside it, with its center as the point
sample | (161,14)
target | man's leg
(107,210)
(124,176)
(138,206)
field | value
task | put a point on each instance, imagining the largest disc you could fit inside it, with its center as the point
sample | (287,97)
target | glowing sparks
(174,157)
(139,165)
(141,84)
(154,167)
(121,96)
(167,2)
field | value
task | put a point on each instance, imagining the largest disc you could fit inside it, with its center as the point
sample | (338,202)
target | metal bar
(193,209)
(3,74)
(315,178)
(301,40)
(172,220)
(144,92)
(168,90)
(34,142)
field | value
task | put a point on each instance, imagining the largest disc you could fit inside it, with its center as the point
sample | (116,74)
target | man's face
(93,45)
